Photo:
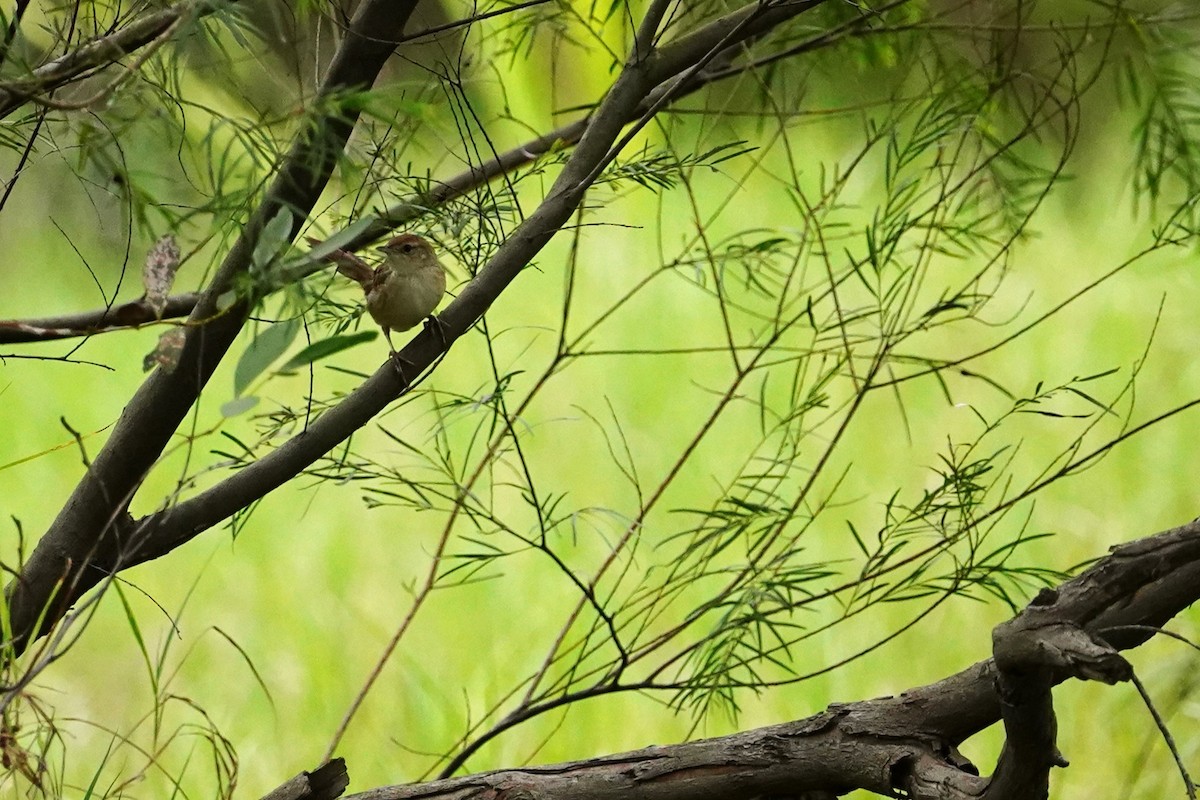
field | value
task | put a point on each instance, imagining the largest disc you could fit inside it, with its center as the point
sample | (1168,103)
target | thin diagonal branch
(159,533)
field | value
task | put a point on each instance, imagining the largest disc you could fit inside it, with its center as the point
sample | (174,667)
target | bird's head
(408,252)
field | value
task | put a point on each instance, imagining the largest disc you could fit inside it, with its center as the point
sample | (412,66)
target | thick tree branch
(1030,651)
(326,782)
(87,540)
(906,743)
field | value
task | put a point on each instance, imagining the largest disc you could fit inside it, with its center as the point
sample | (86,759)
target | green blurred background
(314,585)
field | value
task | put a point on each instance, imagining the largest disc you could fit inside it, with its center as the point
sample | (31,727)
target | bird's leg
(394,356)
(398,361)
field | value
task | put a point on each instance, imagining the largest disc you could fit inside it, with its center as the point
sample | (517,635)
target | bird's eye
(408,248)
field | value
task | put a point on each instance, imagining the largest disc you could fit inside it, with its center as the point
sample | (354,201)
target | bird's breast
(402,300)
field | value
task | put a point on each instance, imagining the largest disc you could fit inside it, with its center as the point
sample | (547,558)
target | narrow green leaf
(326,347)
(238,405)
(275,235)
(342,238)
(226,299)
(268,346)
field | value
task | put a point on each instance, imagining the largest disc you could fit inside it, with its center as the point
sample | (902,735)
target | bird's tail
(349,265)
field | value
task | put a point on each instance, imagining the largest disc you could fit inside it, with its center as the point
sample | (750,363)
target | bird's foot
(399,362)
(434,323)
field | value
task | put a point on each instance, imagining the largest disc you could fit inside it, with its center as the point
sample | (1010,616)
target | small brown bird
(404,289)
